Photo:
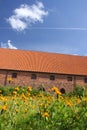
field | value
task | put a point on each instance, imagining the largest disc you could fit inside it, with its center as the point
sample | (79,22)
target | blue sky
(44,25)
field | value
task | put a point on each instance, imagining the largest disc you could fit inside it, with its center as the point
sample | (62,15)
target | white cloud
(75,54)
(25,15)
(17,24)
(8,45)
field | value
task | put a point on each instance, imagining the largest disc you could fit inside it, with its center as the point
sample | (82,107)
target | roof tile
(42,62)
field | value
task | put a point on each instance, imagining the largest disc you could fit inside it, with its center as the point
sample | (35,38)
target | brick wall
(2,77)
(24,79)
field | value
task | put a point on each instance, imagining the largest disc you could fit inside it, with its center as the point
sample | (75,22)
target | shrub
(6,90)
(79,91)
(34,92)
(42,87)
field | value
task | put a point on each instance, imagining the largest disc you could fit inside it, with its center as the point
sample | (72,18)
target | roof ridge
(45,52)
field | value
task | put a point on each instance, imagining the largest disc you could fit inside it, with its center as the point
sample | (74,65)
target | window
(69,78)
(33,76)
(14,75)
(52,77)
(85,80)
(62,90)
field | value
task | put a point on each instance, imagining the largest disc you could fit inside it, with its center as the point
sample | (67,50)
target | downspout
(74,81)
(5,82)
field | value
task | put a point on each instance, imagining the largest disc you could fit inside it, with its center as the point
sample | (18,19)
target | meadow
(24,108)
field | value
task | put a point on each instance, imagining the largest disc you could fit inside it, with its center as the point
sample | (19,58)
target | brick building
(22,68)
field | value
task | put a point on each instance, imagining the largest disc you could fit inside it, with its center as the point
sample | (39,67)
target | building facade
(34,79)
(28,68)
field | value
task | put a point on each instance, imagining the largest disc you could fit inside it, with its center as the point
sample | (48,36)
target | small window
(62,90)
(85,80)
(52,77)
(69,78)
(14,75)
(33,76)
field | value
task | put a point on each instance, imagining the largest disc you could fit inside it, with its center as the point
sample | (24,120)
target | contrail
(55,28)
(48,28)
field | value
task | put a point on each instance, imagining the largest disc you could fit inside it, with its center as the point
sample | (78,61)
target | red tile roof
(42,62)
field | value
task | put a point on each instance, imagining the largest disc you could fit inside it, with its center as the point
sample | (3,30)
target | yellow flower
(58,92)
(69,104)
(14,92)
(10,79)
(46,114)
(3,99)
(26,104)
(4,107)
(28,94)
(40,104)
(23,96)
(16,110)
(17,89)
(54,88)
(26,110)
(85,99)
(13,98)
(61,97)
(30,88)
